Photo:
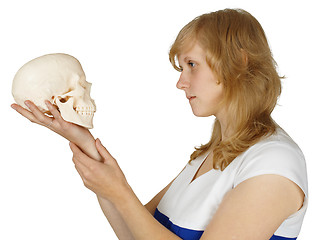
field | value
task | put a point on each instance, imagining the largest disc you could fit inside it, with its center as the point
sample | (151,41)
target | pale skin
(240,215)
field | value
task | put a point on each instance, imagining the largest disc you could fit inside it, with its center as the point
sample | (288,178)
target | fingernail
(27,103)
(98,140)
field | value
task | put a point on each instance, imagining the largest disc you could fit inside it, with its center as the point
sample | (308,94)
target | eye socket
(64,100)
(189,63)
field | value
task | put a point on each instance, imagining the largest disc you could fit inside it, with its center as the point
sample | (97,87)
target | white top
(191,204)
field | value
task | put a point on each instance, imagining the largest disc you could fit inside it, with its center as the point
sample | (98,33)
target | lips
(190,97)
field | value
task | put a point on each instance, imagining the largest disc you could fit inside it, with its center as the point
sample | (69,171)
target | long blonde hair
(238,52)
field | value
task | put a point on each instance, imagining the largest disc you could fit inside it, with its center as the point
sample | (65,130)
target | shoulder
(270,184)
(277,154)
(278,145)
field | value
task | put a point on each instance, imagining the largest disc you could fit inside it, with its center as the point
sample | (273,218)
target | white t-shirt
(188,206)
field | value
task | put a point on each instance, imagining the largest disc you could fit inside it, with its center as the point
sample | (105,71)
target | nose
(182,82)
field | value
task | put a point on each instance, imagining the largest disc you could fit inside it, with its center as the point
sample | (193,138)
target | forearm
(88,146)
(127,216)
(140,222)
(115,220)
(130,219)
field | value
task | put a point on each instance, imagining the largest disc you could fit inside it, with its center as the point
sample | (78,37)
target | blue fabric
(274,237)
(189,234)
(184,233)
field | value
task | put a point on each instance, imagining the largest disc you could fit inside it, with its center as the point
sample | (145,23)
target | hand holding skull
(60,80)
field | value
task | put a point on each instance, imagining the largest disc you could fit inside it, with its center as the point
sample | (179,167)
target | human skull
(60,79)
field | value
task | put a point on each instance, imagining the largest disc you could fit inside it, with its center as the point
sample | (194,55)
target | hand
(105,178)
(70,131)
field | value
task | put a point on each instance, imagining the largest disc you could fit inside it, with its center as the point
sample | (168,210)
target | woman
(248,182)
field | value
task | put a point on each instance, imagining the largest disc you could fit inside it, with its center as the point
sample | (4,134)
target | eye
(191,64)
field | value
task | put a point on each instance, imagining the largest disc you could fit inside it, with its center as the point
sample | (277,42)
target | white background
(142,119)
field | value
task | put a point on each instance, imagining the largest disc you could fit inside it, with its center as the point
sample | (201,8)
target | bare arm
(86,142)
(108,181)
(127,218)
(252,210)
(116,220)
(255,209)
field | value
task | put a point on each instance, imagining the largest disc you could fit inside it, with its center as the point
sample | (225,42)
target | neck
(225,128)
(225,133)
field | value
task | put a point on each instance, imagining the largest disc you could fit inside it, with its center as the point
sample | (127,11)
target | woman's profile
(248,182)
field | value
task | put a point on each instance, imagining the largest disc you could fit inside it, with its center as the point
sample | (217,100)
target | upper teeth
(85,110)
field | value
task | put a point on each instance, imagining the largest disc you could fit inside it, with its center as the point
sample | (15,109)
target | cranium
(60,79)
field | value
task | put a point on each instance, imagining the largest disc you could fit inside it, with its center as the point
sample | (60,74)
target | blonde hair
(238,52)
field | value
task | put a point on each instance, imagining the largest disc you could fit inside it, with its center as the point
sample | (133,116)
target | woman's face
(201,85)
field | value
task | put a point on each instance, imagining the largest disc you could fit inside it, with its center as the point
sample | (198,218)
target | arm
(116,220)
(252,210)
(255,209)
(107,181)
(86,142)
(152,204)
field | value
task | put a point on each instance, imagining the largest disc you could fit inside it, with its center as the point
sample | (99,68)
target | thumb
(103,151)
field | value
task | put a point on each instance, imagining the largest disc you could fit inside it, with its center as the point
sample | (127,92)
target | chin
(202,114)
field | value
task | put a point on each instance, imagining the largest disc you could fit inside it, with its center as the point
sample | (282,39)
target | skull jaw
(66,111)
(84,119)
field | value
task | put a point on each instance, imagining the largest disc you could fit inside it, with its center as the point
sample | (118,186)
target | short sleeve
(281,158)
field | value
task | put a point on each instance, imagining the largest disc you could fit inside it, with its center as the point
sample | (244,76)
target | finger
(84,172)
(24,112)
(103,152)
(80,169)
(40,116)
(55,113)
(75,149)
(80,156)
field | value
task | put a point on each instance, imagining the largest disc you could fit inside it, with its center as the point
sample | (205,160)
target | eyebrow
(187,58)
